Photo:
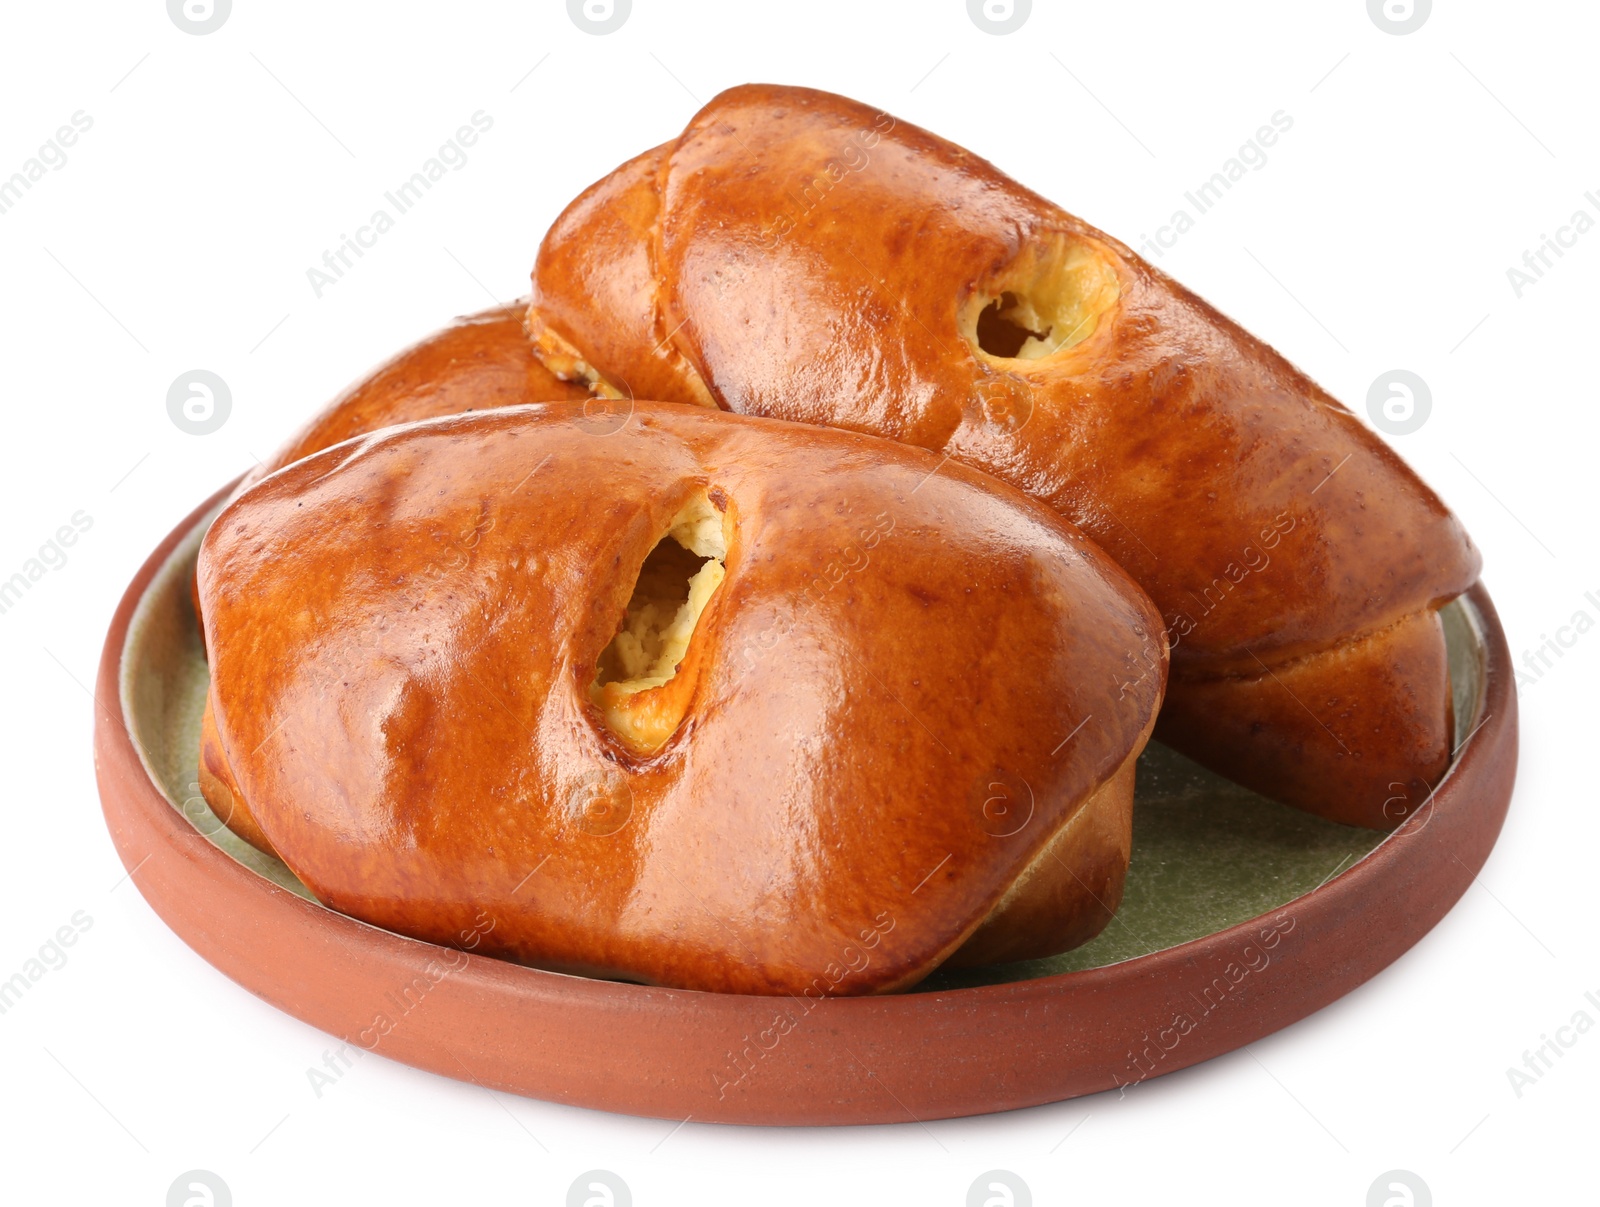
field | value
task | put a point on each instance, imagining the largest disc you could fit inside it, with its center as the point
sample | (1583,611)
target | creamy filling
(1048,299)
(675,584)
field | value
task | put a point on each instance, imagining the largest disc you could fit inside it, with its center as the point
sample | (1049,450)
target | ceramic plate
(1240,916)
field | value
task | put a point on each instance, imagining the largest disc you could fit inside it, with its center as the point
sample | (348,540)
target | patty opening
(636,684)
(1048,299)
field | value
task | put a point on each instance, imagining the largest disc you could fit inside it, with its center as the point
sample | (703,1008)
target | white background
(1379,234)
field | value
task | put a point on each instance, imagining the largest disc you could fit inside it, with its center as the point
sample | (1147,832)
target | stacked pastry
(781,602)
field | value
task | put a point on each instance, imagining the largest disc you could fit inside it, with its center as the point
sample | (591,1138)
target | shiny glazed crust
(475,363)
(798,255)
(916,694)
